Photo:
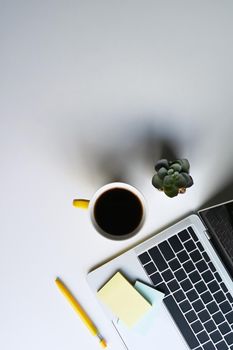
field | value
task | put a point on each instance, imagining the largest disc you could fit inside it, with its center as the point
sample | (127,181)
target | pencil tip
(103,343)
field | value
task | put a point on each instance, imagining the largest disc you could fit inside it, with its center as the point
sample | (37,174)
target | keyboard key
(222,346)
(206,297)
(179,296)
(174,264)
(193,234)
(229,297)
(217,276)
(229,338)
(194,276)
(163,288)
(212,307)
(219,296)
(175,243)
(167,275)
(223,286)
(206,257)
(166,250)
(201,266)
(209,346)
(192,295)
(188,266)
(229,317)
(185,306)
(180,275)
(200,287)
(156,278)
(197,326)
(195,255)
(204,316)
(225,307)
(209,326)
(203,337)
(224,328)
(190,245)
(186,285)
(200,246)
(158,259)
(207,276)
(144,258)
(181,322)
(173,285)
(150,268)
(183,256)
(211,266)
(215,336)
(191,316)
(198,305)
(213,286)
(184,235)
(218,317)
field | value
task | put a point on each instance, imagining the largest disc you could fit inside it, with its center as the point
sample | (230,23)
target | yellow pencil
(82,314)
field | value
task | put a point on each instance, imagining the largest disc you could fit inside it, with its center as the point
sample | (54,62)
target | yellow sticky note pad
(123,300)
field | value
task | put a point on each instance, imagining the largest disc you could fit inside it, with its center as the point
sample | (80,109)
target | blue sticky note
(155,298)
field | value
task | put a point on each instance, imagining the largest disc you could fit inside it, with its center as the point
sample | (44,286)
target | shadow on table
(224,194)
(129,152)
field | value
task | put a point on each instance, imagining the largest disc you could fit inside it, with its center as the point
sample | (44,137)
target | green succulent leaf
(162,172)
(185,165)
(170,171)
(171,191)
(168,180)
(176,167)
(180,181)
(162,163)
(157,182)
(188,180)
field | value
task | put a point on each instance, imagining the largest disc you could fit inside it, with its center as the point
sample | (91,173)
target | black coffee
(118,211)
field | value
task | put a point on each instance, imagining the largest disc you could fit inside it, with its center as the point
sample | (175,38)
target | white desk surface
(86,86)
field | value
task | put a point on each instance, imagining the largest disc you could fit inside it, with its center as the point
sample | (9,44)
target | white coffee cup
(117,210)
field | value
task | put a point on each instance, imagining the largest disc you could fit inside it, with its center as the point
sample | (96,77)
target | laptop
(191,262)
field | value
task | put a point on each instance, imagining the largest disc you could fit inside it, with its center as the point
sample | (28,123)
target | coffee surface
(118,211)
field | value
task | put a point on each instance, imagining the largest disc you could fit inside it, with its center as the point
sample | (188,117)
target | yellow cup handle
(81,203)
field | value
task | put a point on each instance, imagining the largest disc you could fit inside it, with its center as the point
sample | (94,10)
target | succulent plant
(172,177)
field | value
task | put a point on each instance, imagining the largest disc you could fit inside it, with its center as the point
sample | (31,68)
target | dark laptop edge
(214,240)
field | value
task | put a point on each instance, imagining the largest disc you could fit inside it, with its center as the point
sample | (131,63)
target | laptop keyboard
(195,295)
